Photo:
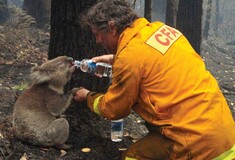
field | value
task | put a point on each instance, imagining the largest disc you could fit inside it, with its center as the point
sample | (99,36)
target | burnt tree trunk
(217,17)
(207,19)
(68,37)
(189,21)
(4,11)
(148,10)
(39,9)
(171,12)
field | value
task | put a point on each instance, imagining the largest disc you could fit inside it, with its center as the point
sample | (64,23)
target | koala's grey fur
(37,112)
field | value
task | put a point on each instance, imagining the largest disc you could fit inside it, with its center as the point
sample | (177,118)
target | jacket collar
(130,32)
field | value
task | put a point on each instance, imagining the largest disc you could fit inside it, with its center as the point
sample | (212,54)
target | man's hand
(108,58)
(81,94)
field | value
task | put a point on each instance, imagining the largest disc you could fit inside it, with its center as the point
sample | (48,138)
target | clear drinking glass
(117,130)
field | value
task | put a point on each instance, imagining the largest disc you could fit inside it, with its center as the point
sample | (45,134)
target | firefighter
(157,73)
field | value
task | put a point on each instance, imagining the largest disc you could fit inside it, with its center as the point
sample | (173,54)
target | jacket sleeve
(122,93)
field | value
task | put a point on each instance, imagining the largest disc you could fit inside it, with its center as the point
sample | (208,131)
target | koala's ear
(39,75)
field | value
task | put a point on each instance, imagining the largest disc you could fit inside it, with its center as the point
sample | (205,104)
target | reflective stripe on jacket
(158,74)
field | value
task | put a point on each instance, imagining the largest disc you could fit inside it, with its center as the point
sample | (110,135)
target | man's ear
(112,27)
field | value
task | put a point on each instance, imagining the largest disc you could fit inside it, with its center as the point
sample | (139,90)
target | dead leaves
(1,136)
(63,153)
(24,157)
(22,45)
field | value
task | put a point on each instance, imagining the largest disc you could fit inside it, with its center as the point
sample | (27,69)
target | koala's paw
(74,90)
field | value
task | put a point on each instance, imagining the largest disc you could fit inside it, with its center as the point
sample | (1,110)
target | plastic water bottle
(99,69)
(117,130)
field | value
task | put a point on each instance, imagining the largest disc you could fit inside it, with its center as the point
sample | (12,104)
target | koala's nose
(70,59)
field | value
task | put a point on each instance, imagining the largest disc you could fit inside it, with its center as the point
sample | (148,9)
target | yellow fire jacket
(158,74)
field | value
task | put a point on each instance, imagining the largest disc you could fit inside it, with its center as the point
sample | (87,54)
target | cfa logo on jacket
(163,38)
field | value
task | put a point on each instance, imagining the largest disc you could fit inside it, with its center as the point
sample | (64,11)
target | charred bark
(68,37)
(189,21)
(207,19)
(148,10)
(171,12)
(39,9)
(4,11)
(217,17)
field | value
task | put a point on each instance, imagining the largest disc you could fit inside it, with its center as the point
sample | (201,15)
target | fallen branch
(228,93)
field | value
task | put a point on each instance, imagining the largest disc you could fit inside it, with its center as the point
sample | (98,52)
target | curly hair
(118,11)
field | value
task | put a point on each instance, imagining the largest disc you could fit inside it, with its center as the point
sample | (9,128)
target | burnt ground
(22,48)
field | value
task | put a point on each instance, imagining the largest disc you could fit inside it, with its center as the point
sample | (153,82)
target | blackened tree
(39,9)
(171,12)
(70,37)
(148,10)
(189,21)
(4,11)
(207,19)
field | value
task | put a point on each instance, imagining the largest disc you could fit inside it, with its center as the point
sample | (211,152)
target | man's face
(108,39)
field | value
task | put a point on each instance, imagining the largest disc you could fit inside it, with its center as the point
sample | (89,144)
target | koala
(37,115)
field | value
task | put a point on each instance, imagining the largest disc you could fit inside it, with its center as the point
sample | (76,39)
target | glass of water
(117,130)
